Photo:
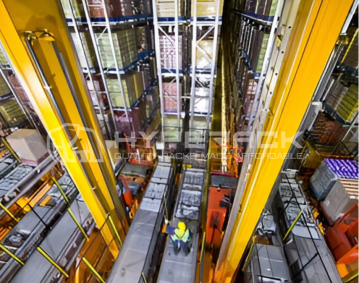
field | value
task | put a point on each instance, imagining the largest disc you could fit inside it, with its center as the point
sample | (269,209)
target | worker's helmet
(182,226)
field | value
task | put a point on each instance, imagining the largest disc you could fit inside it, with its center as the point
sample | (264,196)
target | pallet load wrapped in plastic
(208,8)
(125,48)
(28,145)
(12,113)
(141,37)
(128,84)
(351,57)
(78,7)
(348,106)
(3,59)
(4,89)
(329,172)
(201,100)
(168,51)
(86,43)
(326,131)
(204,54)
(170,96)
(114,8)
(97,89)
(165,8)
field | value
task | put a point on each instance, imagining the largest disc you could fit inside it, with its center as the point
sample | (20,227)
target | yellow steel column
(63,100)
(318,24)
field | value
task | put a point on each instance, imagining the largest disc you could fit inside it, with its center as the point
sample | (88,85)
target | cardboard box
(28,145)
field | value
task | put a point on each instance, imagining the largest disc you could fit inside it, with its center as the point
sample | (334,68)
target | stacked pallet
(87,47)
(132,85)
(125,48)
(351,57)
(204,54)
(168,51)
(170,96)
(12,113)
(4,89)
(326,131)
(348,106)
(166,8)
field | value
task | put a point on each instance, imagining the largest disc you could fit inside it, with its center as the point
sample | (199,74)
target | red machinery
(342,237)
(140,151)
(216,215)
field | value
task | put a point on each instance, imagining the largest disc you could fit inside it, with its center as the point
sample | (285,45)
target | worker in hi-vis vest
(180,237)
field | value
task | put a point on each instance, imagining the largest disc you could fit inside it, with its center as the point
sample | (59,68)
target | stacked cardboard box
(326,131)
(141,37)
(125,48)
(88,48)
(3,59)
(249,97)
(168,51)
(351,58)
(12,113)
(18,89)
(207,8)
(201,100)
(166,8)
(98,87)
(204,54)
(4,89)
(77,4)
(170,93)
(128,84)
(114,8)
(348,106)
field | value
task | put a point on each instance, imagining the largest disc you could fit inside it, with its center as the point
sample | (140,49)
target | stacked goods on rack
(114,8)
(132,85)
(141,7)
(258,49)
(18,89)
(348,106)
(326,131)
(12,113)
(141,37)
(170,96)
(125,48)
(351,56)
(207,8)
(335,185)
(152,101)
(201,100)
(78,8)
(97,89)
(261,7)
(165,8)
(204,54)
(86,43)
(3,59)
(168,51)
(4,89)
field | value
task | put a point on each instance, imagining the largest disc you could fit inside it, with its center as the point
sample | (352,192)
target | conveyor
(62,244)
(181,268)
(7,163)
(23,239)
(138,247)
(22,179)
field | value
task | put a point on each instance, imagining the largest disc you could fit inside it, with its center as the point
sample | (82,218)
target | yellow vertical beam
(94,179)
(318,24)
